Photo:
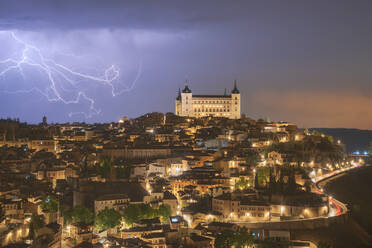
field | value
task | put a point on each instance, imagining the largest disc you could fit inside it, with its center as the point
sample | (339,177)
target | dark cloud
(82,14)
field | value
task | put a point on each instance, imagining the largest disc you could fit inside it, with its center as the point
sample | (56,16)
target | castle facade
(226,105)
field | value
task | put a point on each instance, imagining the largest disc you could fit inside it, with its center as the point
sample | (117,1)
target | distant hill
(354,139)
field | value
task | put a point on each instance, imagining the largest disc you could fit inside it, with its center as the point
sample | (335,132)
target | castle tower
(44,123)
(235,103)
(186,100)
(178,103)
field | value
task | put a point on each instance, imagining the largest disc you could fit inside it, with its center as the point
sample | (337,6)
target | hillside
(354,139)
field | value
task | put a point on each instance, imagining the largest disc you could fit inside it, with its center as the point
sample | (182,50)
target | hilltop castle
(224,105)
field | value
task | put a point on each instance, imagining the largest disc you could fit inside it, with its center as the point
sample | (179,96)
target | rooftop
(212,96)
(112,197)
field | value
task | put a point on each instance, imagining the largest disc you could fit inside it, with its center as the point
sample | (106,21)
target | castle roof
(211,96)
(179,95)
(235,90)
(186,89)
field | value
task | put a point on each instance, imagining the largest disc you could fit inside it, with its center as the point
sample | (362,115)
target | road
(337,207)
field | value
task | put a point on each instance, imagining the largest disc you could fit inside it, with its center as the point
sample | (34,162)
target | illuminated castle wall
(224,105)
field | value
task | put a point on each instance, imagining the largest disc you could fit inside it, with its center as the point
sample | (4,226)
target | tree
(136,212)
(131,214)
(104,168)
(164,212)
(50,204)
(37,222)
(306,131)
(316,133)
(238,239)
(263,174)
(242,183)
(224,239)
(107,218)
(78,214)
(243,238)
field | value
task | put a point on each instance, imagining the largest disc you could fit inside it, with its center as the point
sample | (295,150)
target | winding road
(337,208)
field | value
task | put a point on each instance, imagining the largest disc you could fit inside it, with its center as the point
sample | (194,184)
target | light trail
(33,57)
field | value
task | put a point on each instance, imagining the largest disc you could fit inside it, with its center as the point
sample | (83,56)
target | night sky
(307,62)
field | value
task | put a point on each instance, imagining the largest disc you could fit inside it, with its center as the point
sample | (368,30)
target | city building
(113,201)
(226,105)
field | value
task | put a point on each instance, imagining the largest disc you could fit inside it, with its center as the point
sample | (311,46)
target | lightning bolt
(32,56)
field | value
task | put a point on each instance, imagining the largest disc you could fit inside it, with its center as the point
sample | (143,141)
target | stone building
(113,201)
(224,105)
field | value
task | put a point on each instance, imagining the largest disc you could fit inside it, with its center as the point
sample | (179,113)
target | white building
(177,168)
(224,105)
(155,170)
